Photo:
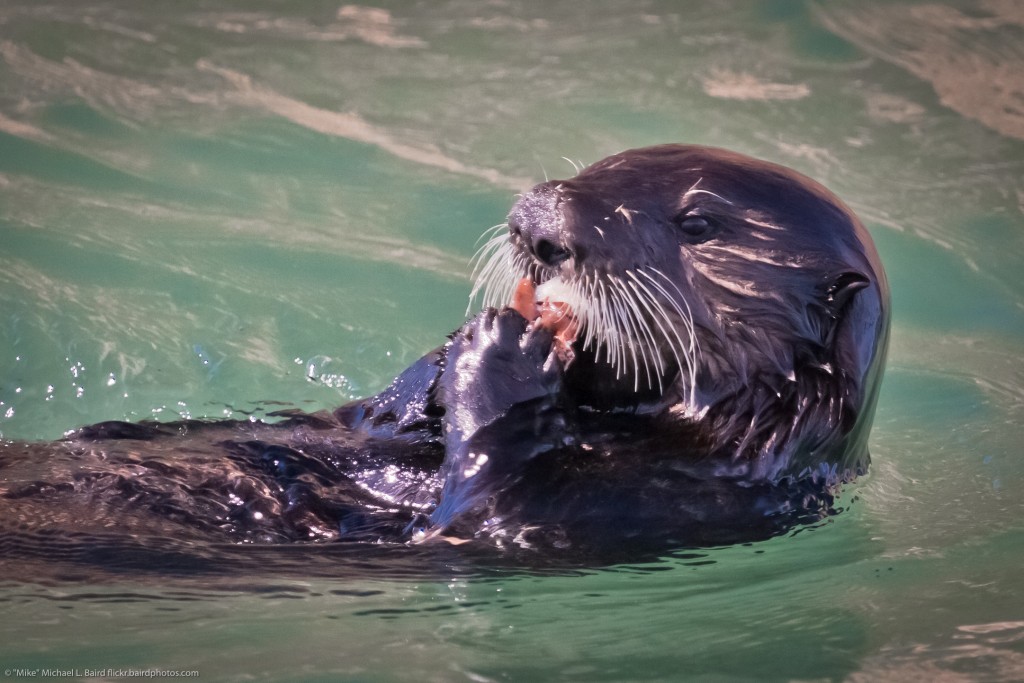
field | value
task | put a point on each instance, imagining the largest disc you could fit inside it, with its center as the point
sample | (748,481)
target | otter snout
(537,225)
(566,225)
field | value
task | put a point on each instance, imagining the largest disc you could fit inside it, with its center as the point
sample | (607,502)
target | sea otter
(680,345)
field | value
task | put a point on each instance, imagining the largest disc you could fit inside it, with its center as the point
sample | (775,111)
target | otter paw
(498,360)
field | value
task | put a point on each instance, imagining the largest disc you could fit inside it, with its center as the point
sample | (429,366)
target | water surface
(216,209)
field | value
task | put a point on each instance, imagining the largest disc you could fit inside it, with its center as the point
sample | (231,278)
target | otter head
(710,286)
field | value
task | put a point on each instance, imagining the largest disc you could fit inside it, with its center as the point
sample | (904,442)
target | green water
(208,209)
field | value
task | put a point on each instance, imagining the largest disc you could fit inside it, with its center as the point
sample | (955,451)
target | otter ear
(836,302)
(841,291)
(853,327)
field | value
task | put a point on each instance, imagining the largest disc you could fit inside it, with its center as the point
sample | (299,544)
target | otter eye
(695,227)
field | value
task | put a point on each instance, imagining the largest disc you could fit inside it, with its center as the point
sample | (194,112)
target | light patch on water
(942,46)
(733,85)
(375,26)
(104,308)
(372,25)
(23,130)
(962,655)
(42,205)
(821,159)
(1015,627)
(258,349)
(994,367)
(349,126)
(117,29)
(506,23)
(49,293)
(947,458)
(84,15)
(138,101)
(100,90)
(885,107)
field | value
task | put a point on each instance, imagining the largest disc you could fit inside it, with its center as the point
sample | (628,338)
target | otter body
(713,379)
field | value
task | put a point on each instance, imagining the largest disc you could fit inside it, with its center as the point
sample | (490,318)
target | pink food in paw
(522,299)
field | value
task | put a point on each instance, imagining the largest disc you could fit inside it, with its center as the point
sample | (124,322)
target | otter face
(695,274)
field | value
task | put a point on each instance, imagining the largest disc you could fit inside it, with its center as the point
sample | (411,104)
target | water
(212,210)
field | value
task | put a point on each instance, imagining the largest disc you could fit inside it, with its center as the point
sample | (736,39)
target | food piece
(555,315)
(523,299)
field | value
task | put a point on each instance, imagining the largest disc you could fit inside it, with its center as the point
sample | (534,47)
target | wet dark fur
(789,305)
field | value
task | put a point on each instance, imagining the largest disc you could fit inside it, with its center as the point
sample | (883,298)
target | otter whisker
(644,337)
(590,311)
(612,323)
(485,269)
(493,242)
(605,329)
(497,270)
(590,295)
(582,290)
(685,318)
(695,190)
(656,309)
(660,316)
(624,308)
(691,350)
(616,322)
(624,320)
(496,229)
(602,325)
(643,297)
(688,316)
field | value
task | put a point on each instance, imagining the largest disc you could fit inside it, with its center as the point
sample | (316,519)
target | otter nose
(549,253)
(537,222)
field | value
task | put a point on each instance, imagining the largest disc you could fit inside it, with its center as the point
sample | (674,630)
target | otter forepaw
(498,360)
